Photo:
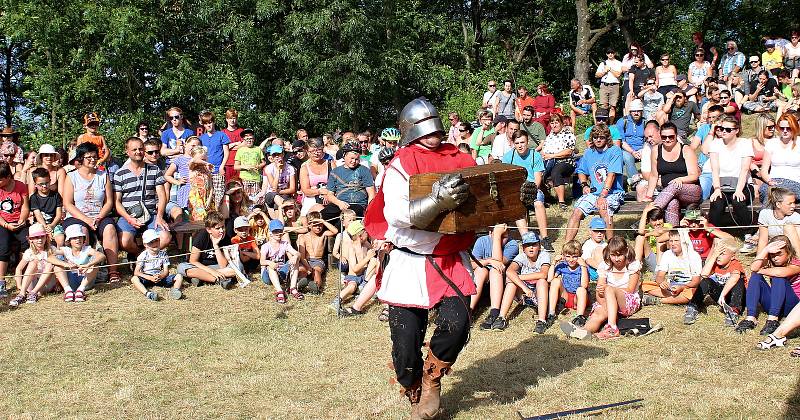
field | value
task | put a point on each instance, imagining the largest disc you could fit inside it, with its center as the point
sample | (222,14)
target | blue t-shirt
(632,133)
(349,185)
(702,132)
(169,138)
(612,128)
(214,142)
(570,279)
(532,162)
(483,248)
(597,165)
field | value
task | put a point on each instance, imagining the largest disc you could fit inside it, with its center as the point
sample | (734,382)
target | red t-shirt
(522,103)
(702,241)
(248,243)
(234,136)
(11,202)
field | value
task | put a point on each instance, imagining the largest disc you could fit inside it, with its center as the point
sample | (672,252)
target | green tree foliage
(319,64)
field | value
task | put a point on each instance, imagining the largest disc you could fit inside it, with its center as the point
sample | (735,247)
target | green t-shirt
(787,91)
(250,156)
(485,150)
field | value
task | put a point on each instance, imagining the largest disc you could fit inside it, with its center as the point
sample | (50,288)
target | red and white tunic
(409,279)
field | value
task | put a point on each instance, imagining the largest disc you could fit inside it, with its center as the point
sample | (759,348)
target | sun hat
(47,149)
(355,227)
(91,117)
(36,230)
(275,225)
(240,222)
(597,223)
(74,231)
(275,150)
(149,235)
(636,105)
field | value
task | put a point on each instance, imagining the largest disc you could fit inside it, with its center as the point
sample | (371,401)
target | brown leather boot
(432,372)
(413,393)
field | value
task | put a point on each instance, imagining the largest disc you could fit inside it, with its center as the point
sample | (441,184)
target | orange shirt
(248,243)
(96,140)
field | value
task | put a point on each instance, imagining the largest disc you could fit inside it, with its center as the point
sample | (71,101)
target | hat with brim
(355,227)
(275,225)
(149,235)
(597,223)
(530,238)
(74,231)
(9,131)
(36,231)
(240,222)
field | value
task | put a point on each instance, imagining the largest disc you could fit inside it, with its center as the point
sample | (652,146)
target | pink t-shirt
(795,281)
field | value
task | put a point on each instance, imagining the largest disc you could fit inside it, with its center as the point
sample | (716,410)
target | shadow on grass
(793,403)
(504,378)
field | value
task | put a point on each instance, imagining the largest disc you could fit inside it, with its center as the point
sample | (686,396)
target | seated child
(569,280)
(493,252)
(651,238)
(702,233)
(617,293)
(778,261)
(528,271)
(152,269)
(312,246)
(778,338)
(722,279)
(80,259)
(259,226)
(34,273)
(279,262)
(247,247)
(294,224)
(47,206)
(342,244)
(361,262)
(677,276)
(592,249)
(207,262)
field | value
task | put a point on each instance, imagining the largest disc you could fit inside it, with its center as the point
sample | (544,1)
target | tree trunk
(477,28)
(8,97)
(583,43)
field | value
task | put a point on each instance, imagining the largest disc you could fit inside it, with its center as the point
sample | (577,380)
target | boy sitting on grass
(361,262)
(279,261)
(722,279)
(312,246)
(527,279)
(592,248)
(569,280)
(152,269)
(702,234)
(247,247)
(207,261)
(493,254)
(677,276)
(652,237)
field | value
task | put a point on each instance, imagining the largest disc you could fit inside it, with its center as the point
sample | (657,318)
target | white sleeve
(666,261)
(395,194)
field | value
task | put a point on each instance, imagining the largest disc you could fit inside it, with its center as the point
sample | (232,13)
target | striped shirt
(129,185)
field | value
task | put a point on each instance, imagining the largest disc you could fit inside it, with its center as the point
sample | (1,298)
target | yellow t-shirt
(772,61)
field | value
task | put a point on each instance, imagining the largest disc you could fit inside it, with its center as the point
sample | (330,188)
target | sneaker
(650,300)
(561,307)
(32,298)
(302,283)
(547,244)
(336,304)
(312,288)
(175,293)
(580,321)
(573,331)
(690,317)
(745,325)
(227,283)
(499,324)
(151,295)
(563,206)
(487,323)
(769,327)
(632,181)
(731,316)
(607,333)
(195,281)
(748,247)
(541,327)
(3,292)
(18,300)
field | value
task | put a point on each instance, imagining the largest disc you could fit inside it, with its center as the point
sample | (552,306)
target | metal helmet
(419,118)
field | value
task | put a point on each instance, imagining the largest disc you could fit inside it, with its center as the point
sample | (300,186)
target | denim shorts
(124,226)
(586,203)
(168,281)
(358,280)
(283,273)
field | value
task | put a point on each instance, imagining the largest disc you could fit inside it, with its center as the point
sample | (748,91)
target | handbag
(138,211)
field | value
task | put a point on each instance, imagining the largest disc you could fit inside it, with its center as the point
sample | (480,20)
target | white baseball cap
(149,235)
(240,221)
(636,105)
(74,231)
(47,149)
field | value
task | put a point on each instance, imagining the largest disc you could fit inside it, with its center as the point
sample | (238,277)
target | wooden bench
(184,232)
(631,206)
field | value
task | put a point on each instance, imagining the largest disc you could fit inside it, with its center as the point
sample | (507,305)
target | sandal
(114,277)
(384,316)
(280,297)
(350,311)
(80,296)
(795,352)
(771,342)
(69,296)
(296,293)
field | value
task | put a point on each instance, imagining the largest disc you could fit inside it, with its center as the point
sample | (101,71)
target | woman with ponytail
(778,218)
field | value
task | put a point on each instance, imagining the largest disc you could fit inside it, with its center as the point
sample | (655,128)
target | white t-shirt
(767,217)
(680,270)
(83,257)
(588,247)
(784,161)
(614,65)
(730,160)
(526,266)
(618,278)
(488,97)
(500,146)
(152,264)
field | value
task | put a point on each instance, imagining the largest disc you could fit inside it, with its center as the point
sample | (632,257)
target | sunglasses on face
(90,158)
(724,97)
(668,137)
(144,128)
(492,85)
(754,62)
(174,117)
(599,137)
(726,129)
(699,55)
(462,130)
(785,128)
(9,156)
(770,127)
(152,152)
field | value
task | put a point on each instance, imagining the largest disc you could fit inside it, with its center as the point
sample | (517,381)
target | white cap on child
(149,235)
(240,222)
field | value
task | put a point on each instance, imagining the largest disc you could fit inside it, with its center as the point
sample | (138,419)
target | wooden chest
(494,197)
